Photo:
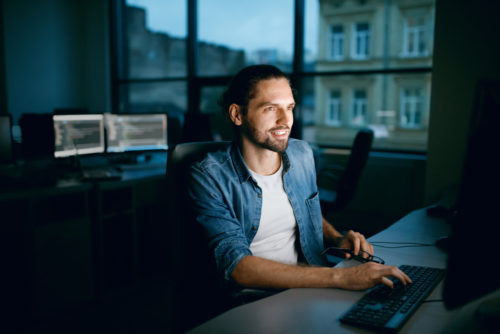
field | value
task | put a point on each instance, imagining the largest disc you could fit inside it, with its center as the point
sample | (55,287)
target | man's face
(269,116)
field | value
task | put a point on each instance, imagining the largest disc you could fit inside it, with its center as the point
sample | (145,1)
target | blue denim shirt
(228,203)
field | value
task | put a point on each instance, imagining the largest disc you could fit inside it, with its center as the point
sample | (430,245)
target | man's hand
(355,241)
(368,275)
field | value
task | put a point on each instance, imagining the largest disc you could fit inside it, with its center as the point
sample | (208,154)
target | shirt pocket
(314,208)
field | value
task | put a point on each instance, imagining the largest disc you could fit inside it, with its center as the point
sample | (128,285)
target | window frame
(334,105)
(299,73)
(419,34)
(415,104)
(358,106)
(337,43)
(364,39)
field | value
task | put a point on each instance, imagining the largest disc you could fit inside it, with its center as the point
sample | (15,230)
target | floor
(140,307)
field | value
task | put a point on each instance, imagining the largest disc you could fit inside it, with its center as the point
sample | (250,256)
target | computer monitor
(475,238)
(136,132)
(6,152)
(78,135)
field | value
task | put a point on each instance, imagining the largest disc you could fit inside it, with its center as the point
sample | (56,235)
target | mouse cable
(394,244)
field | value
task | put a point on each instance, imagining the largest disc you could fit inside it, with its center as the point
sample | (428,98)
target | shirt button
(259,195)
(254,228)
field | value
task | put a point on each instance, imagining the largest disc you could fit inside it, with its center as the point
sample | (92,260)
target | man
(258,201)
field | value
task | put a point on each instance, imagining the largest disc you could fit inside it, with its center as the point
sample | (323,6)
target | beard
(263,139)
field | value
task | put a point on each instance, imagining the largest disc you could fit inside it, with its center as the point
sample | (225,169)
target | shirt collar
(241,167)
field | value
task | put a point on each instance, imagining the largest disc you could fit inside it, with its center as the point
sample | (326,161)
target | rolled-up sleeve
(224,231)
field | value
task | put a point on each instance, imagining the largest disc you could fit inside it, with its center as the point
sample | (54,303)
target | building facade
(373,35)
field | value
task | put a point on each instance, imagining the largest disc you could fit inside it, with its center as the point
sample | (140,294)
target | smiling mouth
(280,132)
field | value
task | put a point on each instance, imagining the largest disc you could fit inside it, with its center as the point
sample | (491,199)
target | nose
(285,116)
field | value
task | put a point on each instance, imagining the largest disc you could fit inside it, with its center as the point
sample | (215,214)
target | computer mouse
(442,242)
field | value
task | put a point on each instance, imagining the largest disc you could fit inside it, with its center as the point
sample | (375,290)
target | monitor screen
(473,251)
(136,132)
(5,139)
(78,134)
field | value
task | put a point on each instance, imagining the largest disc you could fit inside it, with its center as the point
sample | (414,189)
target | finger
(400,275)
(387,282)
(370,247)
(408,279)
(356,244)
(366,247)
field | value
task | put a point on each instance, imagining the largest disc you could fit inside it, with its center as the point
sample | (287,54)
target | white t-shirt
(275,238)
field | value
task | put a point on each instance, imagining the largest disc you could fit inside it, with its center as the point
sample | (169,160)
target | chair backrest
(188,153)
(349,179)
(195,283)
(197,127)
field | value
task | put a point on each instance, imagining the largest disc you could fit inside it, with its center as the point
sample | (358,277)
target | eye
(270,108)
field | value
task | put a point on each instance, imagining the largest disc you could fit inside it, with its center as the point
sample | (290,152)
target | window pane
(220,126)
(169,97)
(337,42)
(233,34)
(395,106)
(155,39)
(372,38)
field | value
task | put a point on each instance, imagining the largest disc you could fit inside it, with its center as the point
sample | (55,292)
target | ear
(235,114)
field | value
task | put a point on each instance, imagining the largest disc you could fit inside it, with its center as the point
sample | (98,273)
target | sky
(229,22)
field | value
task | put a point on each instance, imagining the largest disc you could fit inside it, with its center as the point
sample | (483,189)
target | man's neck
(260,160)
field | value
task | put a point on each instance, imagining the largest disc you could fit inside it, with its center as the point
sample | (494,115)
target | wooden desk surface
(318,310)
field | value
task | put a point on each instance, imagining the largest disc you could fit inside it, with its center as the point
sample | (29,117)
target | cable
(433,301)
(399,244)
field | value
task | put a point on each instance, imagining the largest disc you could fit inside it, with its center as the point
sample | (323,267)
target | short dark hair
(241,89)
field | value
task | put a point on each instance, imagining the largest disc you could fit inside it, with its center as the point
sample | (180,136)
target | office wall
(3,92)
(56,55)
(466,48)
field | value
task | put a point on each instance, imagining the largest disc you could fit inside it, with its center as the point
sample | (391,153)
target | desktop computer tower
(37,136)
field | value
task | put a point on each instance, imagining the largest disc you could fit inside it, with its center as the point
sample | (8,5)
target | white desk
(318,310)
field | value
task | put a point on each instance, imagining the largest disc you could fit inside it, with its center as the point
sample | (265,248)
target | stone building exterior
(158,56)
(373,35)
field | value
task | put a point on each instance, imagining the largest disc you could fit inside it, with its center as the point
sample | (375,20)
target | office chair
(197,128)
(345,178)
(196,288)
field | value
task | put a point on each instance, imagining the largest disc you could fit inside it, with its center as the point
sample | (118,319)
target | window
(155,46)
(151,67)
(233,34)
(414,37)
(337,42)
(351,63)
(358,116)
(361,42)
(411,108)
(333,115)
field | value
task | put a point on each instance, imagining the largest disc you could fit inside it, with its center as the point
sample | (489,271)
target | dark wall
(56,55)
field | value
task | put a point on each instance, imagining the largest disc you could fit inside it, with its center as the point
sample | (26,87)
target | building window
(361,42)
(359,107)
(333,114)
(414,37)
(411,108)
(337,42)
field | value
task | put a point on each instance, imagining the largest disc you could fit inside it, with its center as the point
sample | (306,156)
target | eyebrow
(274,104)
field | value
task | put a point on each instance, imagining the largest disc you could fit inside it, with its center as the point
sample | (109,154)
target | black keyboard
(386,310)
(101,174)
